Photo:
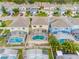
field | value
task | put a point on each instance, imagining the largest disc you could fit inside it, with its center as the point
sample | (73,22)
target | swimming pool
(61,41)
(15,40)
(8,57)
(38,37)
(4,57)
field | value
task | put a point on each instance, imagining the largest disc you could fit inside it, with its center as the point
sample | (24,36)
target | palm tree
(30,28)
(30,21)
(20,53)
(54,44)
(69,47)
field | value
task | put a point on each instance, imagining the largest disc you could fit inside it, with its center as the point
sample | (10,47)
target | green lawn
(28,13)
(14,45)
(6,32)
(1,30)
(20,54)
(76,16)
(8,22)
(1,0)
(2,41)
(5,23)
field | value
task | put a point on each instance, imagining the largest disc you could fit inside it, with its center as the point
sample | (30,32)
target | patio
(16,37)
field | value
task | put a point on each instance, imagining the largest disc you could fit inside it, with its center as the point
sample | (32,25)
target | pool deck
(16,34)
(30,40)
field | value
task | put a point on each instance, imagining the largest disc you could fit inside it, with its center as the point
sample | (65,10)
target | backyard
(67,47)
(5,23)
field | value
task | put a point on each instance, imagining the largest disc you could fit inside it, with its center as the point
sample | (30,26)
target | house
(33,11)
(40,23)
(58,22)
(10,11)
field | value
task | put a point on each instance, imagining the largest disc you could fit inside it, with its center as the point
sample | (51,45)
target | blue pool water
(6,57)
(38,37)
(15,40)
(62,41)
(13,57)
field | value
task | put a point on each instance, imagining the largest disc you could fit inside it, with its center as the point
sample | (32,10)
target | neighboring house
(62,10)
(22,10)
(58,22)
(10,11)
(21,22)
(33,11)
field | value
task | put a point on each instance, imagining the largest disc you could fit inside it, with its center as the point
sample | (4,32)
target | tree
(69,47)
(1,0)
(68,13)
(54,43)
(31,1)
(30,21)
(20,54)
(16,11)
(9,0)
(4,10)
(57,12)
(19,1)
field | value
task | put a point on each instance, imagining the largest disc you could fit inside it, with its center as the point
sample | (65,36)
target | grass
(50,54)
(7,22)
(2,41)
(1,30)
(28,13)
(57,13)
(77,16)
(6,31)
(15,14)
(77,46)
(1,1)
(20,54)
(4,14)
(33,1)
(13,45)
